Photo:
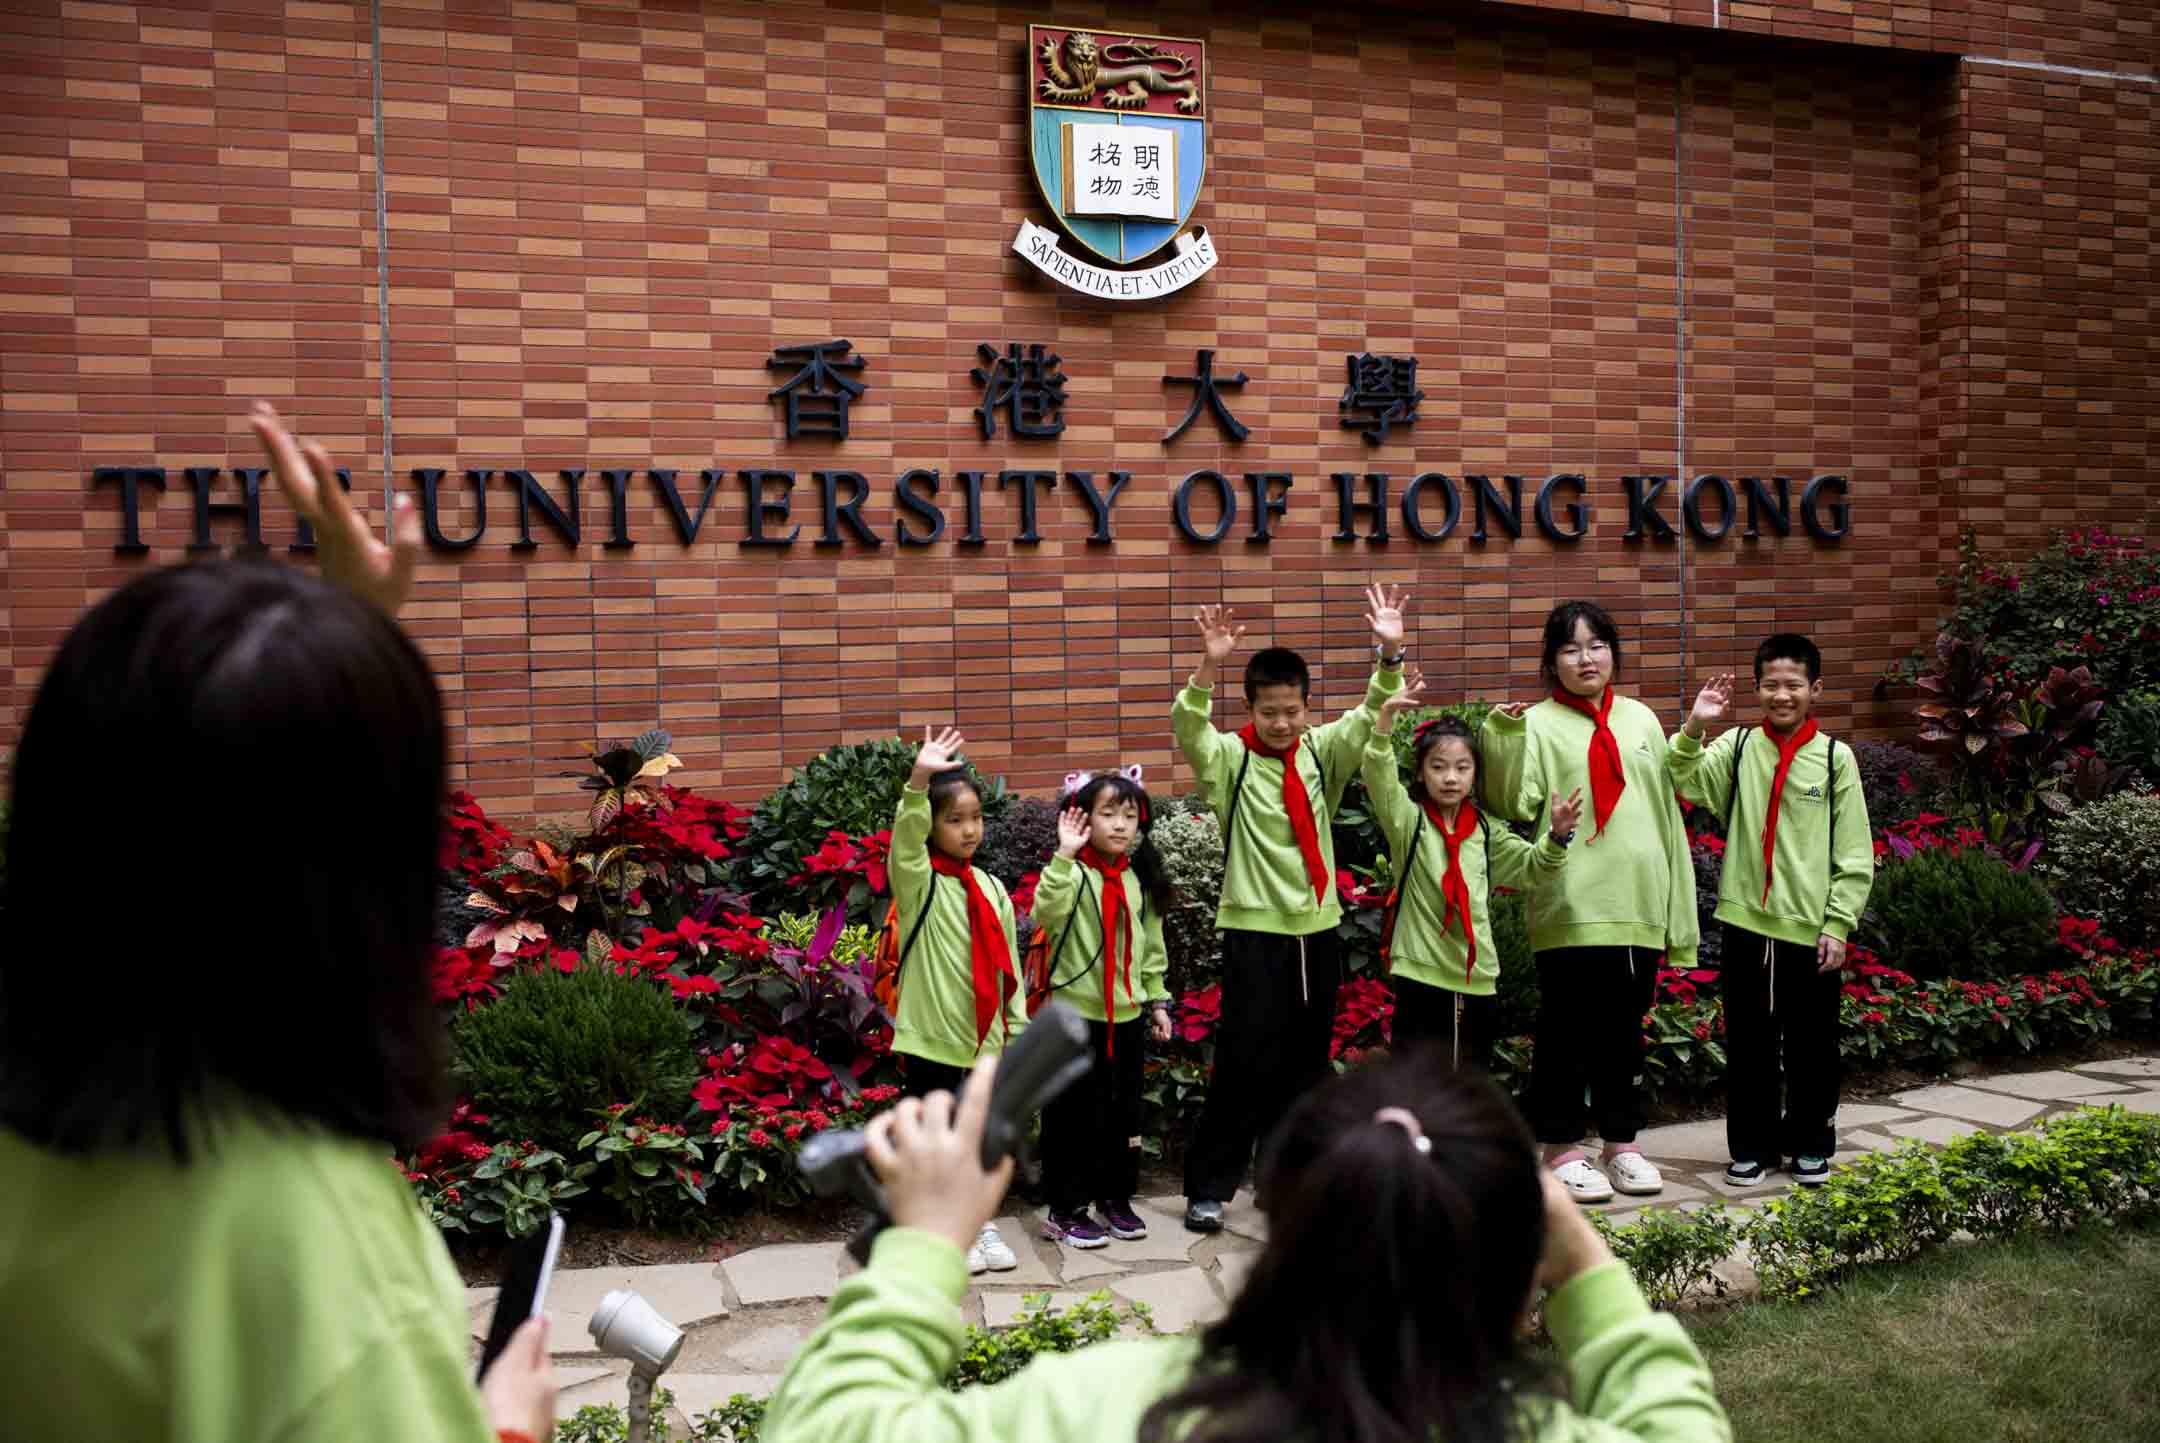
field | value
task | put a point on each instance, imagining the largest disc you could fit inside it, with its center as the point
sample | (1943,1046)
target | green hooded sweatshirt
(1820,877)
(937,975)
(874,1371)
(1068,905)
(1635,885)
(1492,856)
(1265,886)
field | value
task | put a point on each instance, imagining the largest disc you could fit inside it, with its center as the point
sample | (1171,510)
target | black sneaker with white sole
(1203,1217)
(1811,1171)
(1744,1174)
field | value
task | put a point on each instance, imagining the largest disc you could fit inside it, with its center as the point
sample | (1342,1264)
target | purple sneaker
(1123,1222)
(1074,1229)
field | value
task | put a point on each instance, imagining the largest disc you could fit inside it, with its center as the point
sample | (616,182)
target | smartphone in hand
(524,1287)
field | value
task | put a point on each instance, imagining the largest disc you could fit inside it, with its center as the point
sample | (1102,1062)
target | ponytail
(1385,1306)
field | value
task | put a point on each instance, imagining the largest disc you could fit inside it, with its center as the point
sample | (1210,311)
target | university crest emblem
(1118,141)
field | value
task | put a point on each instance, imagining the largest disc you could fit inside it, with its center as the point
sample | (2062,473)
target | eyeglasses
(1577,653)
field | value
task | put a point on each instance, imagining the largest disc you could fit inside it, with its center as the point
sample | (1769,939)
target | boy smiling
(1799,861)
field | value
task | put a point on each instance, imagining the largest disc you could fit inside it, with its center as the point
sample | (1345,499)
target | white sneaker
(1584,1183)
(1635,1174)
(990,1253)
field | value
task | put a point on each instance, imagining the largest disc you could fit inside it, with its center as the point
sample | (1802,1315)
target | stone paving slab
(1180,1300)
(1075,1264)
(782,1272)
(768,1348)
(1024,1236)
(1770,1184)
(1972,1104)
(686,1294)
(1864,1140)
(1239,1216)
(2145,1102)
(1002,1310)
(1231,1271)
(2048,1086)
(577,1387)
(2139,1067)
(1675,1192)
(1938,1130)
(1868,1114)
(703,1392)
(1698,1141)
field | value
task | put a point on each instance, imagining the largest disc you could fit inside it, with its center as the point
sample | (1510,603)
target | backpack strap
(1319,766)
(929,896)
(1732,795)
(1831,784)
(1050,966)
(1229,826)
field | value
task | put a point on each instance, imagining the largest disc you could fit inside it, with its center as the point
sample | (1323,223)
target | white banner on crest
(1195,258)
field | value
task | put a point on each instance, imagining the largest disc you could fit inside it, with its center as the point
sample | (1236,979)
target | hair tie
(1403,1118)
(1425,726)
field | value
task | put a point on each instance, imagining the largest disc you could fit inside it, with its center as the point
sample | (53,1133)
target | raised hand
(1383,613)
(349,552)
(1712,703)
(1565,814)
(940,753)
(1073,832)
(1218,632)
(1409,698)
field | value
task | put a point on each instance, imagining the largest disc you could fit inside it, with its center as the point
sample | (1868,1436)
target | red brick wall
(1612,248)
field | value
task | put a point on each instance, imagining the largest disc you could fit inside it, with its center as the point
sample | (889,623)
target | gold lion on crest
(1077,71)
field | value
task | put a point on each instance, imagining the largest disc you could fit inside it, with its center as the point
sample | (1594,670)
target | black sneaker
(1744,1174)
(1811,1171)
(1203,1217)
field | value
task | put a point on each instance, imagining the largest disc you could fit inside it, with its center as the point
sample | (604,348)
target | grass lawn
(2051,1340)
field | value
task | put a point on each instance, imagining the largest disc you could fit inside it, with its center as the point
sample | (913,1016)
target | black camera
(1051,1055)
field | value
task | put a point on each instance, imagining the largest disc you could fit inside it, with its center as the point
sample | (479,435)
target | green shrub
(1674,1253)
(2130,733)
(1191,846)
(1900,783)
(1959,912)
(991,1355)
(2104,862)
(851,789)
(1887,1207)
(1019,842)
(557,1047)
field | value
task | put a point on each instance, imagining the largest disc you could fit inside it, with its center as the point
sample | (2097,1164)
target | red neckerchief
(1454,889)
(1117,927)
(1298,805)
(1787,749)
(1607,780)
(989,955)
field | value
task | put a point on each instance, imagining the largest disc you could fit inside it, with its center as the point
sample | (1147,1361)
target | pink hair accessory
(1403,1118)
(1074,781)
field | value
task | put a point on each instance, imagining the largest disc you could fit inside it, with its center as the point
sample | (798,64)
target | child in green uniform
(1100,905)
(1275,784)
(959,977)
(1409,1228)
(1799,861)
(1625,899)
(1446,860)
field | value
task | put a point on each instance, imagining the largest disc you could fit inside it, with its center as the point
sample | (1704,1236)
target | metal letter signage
(1118,138)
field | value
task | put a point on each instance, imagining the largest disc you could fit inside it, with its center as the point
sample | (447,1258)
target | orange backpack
(891,951)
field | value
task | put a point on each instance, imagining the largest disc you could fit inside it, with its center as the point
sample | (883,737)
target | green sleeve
(907,859)
(1155,960)
(1512,862)
(1511,780)
(1703,775)
(1852,853)
(1683,922)
(1390,801)
(1341,743)
(1630,1369)
(1192,722)
(874,1371)
(1055,893)
(405,1384)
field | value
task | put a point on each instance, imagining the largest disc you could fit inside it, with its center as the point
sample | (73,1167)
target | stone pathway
(746,1316)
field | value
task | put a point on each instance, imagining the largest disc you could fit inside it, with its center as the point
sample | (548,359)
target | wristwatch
(1562,839)
(1393,662)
